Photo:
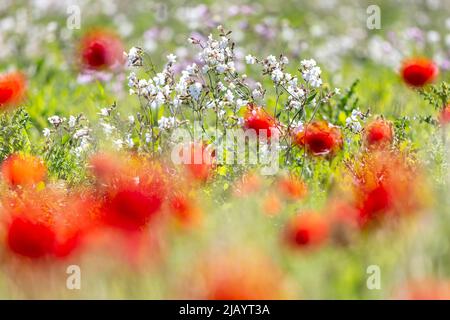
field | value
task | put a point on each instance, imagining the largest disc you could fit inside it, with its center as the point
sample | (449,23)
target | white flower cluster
(167,123)
(290,83)
(258,92)
(80,134)
(249,59)
(134,57)
(56,120)
(162,89)
(195,90)
(311,73)
(353,122)
(275,69)
(217,55)
(84,144)
(155,90)
(214,85)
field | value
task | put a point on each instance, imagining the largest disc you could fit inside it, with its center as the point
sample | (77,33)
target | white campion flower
(176,102)
(195,90)
(166,123)
(221,86)
(241,103)
(308,64)
(271,60)
(257,94)
(107,128)
(221,68)
(277,75)
(172,58)
(249,59)
(55,120)
(205,69)
(148,137)
(134,57)
(295,104)
(83,147)
(46,132)
(192,69)
(81,133)
(353,122)
(159,79)
(132,80)
(129,141)
(158,101)
(104,112)
(311,73)
(72,121)
(229,96)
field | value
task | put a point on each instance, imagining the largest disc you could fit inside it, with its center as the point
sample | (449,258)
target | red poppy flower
(292,187)
(19,169)
(444,117)
(375,204)
(258,119)
(30,238)
(101,49)
(378,133)
(418,72)
(307,230)
(12,89)
(319,138)
(386,186)
(48,222)
(130,208)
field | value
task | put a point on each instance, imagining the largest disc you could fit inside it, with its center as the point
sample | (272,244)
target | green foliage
(437,95)
(14,136)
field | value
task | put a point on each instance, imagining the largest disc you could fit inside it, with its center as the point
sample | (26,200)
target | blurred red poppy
(101,49)
(47,223)
(378,133)
(30,238)
(292,187)
(12,89)
(258,119)
(319,138)
(20,169)
(131,207)
(386,186)
(418,72)
(185,210)
(307,230)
